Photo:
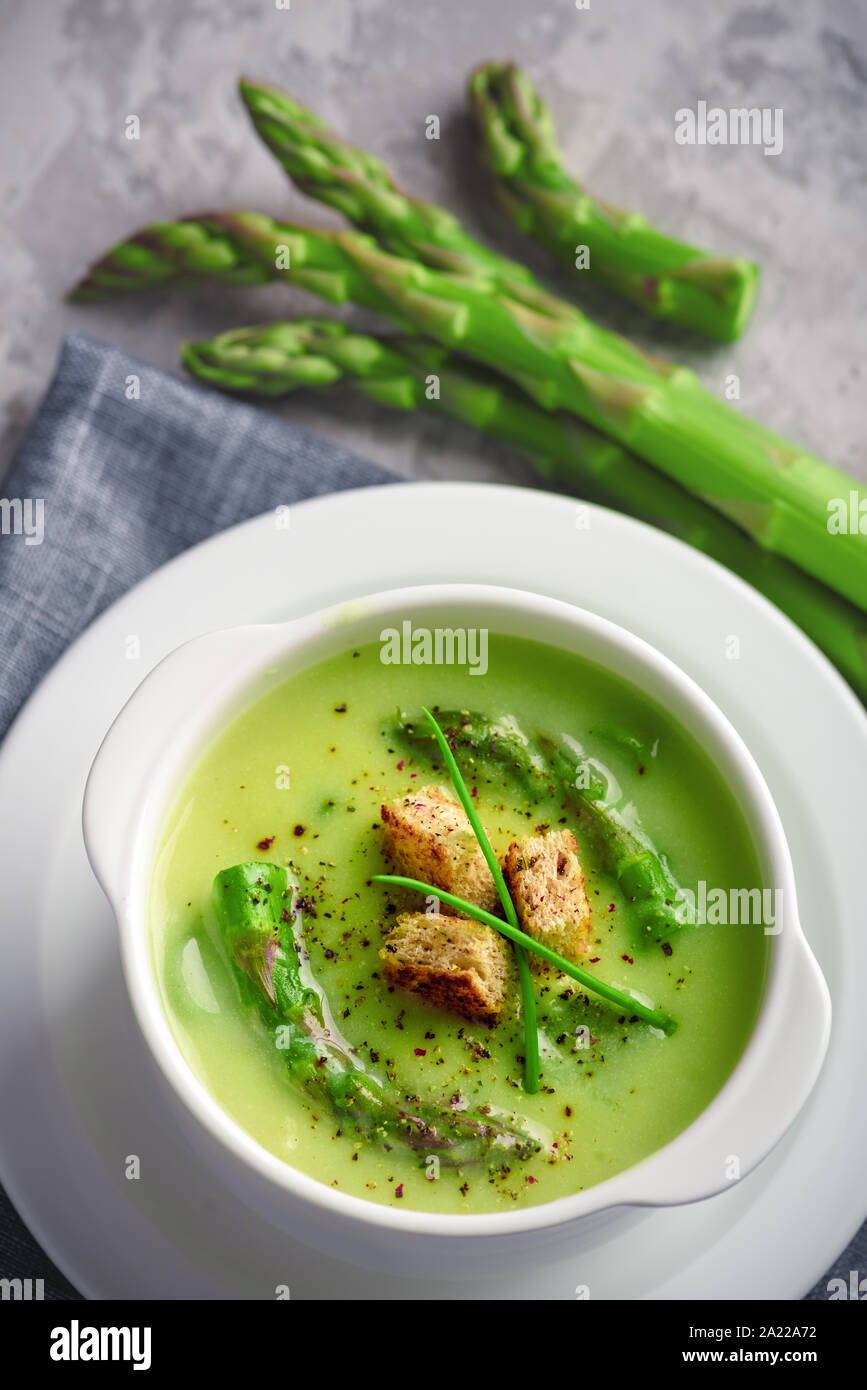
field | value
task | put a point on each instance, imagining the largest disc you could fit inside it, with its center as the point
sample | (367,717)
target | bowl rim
(651,1181)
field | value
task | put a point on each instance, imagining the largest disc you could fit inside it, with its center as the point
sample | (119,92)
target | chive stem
(520,938)
(528,998)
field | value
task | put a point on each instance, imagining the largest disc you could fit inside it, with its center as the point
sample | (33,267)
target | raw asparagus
(413,373)
(253,903)
(235,248)
(540,765)
(360,186)
(780,496)
(666,278)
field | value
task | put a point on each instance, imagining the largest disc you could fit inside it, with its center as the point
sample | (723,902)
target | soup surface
(298,780)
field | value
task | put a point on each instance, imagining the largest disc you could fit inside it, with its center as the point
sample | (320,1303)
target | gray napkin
(126,482)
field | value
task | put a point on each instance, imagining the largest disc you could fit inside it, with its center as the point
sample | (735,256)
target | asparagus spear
(414,373)
(250,247)
(720,292)
(235,248)
(779,495)
(192,249)
(666,278)
(539,765)
(253,903)
(360,186)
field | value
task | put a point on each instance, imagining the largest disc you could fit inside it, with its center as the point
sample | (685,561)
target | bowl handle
(760,1101)
(174,697)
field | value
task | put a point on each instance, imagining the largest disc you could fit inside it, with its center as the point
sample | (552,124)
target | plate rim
(27,720)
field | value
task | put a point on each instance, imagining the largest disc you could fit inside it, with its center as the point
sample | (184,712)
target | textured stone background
(71,71)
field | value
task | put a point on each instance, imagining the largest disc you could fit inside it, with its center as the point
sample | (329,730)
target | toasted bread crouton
(453,962)
(545,880)
(429,837)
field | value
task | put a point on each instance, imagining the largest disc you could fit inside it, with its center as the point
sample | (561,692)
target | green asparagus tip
(251,92)
(264,99)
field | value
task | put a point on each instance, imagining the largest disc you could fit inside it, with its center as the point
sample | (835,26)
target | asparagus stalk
(668,279)
(253,905)
(780,496)
(718,291)
(360,186)
(235,248)
(193,248)
(414,373)
(539,765)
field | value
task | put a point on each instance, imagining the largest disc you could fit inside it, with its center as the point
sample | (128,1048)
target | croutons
(429,837)
(453,962)
(544,878)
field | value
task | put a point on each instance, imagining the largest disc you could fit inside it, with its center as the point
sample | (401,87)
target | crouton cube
(428,836)
(453,962)
(544,877)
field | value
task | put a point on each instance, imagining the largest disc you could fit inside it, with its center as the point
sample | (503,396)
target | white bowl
(199,688)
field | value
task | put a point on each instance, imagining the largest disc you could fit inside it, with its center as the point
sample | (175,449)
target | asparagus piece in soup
(254,908)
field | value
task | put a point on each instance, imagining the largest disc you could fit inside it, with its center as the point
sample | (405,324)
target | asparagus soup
(396,1042)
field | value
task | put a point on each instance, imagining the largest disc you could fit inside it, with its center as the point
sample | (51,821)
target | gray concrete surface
(72,71)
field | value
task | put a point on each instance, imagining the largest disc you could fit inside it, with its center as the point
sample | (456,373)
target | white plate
(78,1092)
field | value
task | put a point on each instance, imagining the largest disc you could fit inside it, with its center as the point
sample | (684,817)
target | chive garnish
(528,998)
(520,938)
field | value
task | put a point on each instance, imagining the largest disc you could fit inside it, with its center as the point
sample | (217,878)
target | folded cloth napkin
(122,468)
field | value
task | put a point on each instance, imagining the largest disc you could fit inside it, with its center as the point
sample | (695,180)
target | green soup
(298,779)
